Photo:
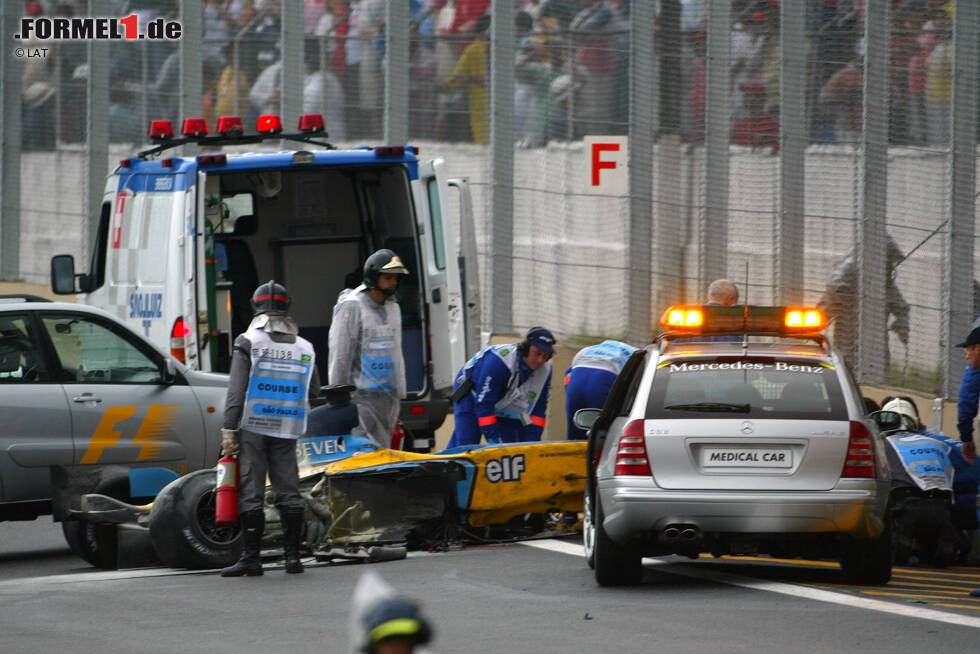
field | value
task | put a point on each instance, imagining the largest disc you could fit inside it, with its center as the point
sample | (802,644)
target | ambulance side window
(153,239)
(435,211)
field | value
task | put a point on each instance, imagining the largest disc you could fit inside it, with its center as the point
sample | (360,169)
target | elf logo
(507,468)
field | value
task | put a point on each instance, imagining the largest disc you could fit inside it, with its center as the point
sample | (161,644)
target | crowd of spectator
(571,70)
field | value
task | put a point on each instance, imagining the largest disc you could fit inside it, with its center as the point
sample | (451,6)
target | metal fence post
(397,30)
(958,310)
(97,128)
(790,225)
(872,248)
(191,54)
(502,166)
(641,123)
(713,248)
(293,43)
(11,72)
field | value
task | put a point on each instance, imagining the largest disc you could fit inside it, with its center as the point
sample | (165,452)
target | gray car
(84,399)
(738,436)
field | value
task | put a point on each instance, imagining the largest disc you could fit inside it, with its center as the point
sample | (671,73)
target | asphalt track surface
(536,596)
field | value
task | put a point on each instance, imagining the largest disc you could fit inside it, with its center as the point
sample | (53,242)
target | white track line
(145,573)
(705,572)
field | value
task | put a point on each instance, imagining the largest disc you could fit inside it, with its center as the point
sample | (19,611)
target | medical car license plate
(746,457)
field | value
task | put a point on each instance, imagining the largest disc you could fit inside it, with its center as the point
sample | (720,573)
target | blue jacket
(491,380)
(967,406)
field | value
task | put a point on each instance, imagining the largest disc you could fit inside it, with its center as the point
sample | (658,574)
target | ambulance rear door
(444,293)
(187,230)
(143,261)
(469,271)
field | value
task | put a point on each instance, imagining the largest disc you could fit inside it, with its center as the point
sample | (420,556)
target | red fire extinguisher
(226,491)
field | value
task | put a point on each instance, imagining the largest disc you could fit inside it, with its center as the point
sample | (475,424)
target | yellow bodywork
(504,481)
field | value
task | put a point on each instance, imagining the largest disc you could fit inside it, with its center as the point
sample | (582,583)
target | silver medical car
(740,431)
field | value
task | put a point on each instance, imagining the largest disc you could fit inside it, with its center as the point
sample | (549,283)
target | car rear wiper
(721,407)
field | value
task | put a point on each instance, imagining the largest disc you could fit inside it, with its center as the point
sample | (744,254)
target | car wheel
(615,565)
(96,543)
(588,525)
(182,525)
(870,565)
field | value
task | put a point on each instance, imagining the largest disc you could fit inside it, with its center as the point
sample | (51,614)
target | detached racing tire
(96,543)
(182,525)
(615,565)
(870,565)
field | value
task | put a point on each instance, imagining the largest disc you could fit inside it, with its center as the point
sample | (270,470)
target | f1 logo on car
(157,423)
(507,468)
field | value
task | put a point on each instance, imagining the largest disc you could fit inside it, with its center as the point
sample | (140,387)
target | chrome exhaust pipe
(672,532)
(689,534)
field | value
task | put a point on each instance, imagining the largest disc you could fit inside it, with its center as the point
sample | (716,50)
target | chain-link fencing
(621,154)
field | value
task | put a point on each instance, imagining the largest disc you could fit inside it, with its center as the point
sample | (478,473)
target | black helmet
(382,261)
(396,616)
(540,338)
(270,298)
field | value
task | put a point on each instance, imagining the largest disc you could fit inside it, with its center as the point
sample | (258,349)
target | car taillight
(177,335)
(860,461)
(631,458)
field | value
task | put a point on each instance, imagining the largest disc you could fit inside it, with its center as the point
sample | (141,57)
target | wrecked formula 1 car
(358,496)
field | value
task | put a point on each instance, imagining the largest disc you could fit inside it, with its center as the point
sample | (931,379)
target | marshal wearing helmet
(366,345)
(501,394)
(273,373)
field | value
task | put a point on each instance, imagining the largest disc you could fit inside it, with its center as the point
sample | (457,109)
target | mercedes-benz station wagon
(738,432)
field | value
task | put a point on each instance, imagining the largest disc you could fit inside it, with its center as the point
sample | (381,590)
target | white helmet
(910,417)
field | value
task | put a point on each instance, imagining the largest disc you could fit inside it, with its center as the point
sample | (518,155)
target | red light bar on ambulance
(194,127)
(161,130)
(390,151)
(741,319)
(212,159)
(268,124)
(311,123)
(230,126)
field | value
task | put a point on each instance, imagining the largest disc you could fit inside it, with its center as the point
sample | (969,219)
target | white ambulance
(183,241)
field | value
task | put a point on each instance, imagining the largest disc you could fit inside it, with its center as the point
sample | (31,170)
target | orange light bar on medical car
(682,317)
(715,319)
(807,319)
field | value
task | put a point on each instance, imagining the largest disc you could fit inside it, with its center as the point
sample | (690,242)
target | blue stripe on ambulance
(142,175)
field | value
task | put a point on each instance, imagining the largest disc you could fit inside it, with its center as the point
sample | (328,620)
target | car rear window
(745,387)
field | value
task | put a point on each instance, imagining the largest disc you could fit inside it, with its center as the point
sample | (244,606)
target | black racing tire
(588,524)
(871,564)
(96,543)
(615,565)
(182,525)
